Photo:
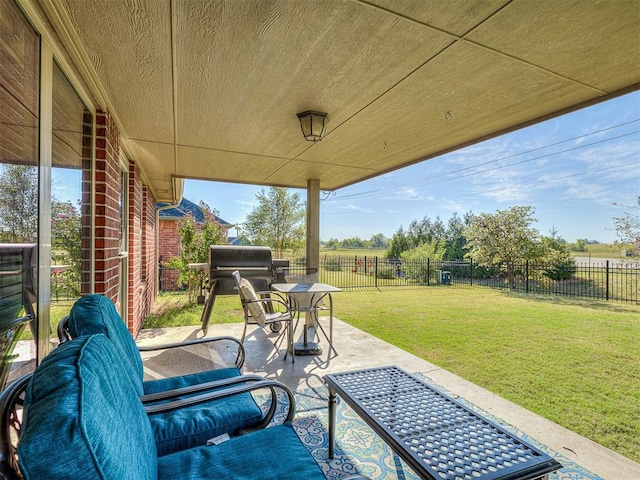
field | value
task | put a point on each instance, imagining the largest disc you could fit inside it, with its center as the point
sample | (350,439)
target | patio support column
(313,223)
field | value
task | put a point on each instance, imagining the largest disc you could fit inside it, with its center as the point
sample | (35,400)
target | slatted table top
(436,435)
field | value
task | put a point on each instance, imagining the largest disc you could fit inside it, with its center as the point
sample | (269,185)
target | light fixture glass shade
(313,125)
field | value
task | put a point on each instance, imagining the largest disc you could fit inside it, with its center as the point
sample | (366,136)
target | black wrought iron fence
(605,280)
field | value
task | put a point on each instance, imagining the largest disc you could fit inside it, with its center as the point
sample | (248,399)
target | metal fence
(606,280)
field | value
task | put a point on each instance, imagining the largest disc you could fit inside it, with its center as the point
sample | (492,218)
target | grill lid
(253,263)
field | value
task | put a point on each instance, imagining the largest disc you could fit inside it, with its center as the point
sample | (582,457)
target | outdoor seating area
(81,399)
(111,110)
(98,361)
(88,396)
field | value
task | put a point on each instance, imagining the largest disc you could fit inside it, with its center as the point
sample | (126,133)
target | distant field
(348,252)
(600,250)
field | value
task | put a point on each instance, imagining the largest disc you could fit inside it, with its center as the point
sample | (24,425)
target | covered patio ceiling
(210,89)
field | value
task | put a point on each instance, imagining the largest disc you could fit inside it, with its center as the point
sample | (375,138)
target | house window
(70,193)
(19,174)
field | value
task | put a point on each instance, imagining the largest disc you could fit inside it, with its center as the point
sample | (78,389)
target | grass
(575,362)
(57,312)
(174,310)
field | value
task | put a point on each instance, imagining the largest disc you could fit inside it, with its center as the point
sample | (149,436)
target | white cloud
(355,208)
(409,193)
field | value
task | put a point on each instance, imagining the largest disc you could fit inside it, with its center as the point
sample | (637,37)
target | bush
(416,264)
(484,272)
(332,264)
(386,272)
(561,270)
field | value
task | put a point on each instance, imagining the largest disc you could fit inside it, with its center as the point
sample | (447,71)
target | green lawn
(575,362)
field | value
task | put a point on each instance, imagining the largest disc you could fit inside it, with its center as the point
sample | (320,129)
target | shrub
(332,264)
(564,270)
(416,264)
(386,272)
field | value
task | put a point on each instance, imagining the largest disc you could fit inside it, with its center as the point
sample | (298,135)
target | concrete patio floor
(358,350)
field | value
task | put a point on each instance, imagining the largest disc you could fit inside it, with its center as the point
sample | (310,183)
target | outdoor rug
(361,451)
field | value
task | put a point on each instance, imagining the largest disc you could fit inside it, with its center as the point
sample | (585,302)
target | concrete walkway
(358,350)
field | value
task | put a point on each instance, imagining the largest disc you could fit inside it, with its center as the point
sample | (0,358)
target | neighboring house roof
(183,209)
(237,241)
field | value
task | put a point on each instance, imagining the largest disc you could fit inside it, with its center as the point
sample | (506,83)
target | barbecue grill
(254,263)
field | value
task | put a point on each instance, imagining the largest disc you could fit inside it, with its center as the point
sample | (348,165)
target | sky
(573,170)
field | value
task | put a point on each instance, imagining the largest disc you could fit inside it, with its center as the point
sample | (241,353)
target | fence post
(428,273)
(526,273)
(607,280)
(471,269)
(375,271)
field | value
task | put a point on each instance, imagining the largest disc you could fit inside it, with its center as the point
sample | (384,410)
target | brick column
(107,208)
(85,206)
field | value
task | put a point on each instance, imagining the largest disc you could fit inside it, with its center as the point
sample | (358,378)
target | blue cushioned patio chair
(194,423)
(81,401)
(83,419)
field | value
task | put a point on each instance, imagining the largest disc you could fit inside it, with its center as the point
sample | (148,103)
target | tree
(504,237)
(580,245)
(428,231)
(353,242)
(628,227)
(378,241)
(66,246)
(332,244)
(414,261)
(455,240)
(399,243)
(277,221)
(555,253)
(18,203)
(195,239)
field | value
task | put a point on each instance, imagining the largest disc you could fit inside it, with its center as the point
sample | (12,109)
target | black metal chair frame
(12,402)
(273,318)
(64,336)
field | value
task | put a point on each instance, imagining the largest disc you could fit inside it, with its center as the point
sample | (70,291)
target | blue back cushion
(83,418)
(93,314)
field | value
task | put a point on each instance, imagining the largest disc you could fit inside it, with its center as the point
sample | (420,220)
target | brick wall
(168,247)
(85,208)
(149,268)
(141,274)
(136,286)
(107,214)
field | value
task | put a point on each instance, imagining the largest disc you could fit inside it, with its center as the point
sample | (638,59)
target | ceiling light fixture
(313,125)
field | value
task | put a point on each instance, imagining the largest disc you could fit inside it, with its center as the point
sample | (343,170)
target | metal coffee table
(437,436)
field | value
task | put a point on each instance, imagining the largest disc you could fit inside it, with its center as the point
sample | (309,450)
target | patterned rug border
(359,450)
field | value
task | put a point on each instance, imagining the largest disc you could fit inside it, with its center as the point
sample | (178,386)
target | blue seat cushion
(271,453)
(178,429)
(194,425)
(170,383)
(94,314)
(83,419)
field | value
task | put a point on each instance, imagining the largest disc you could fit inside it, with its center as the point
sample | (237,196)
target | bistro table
(436,435)
(317,291)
